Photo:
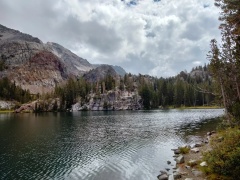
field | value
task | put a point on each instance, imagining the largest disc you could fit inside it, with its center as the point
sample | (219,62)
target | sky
(155,37)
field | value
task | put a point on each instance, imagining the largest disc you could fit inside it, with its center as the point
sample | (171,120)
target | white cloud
(158,38)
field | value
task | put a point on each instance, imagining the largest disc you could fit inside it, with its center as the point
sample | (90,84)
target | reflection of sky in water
(97,145)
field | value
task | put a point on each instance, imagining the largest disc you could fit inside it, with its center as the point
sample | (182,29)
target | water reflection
(95,145)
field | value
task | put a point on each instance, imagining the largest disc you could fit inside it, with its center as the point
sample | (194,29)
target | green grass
(6,111)
(194,107)
(199,107)
(224,158)
(184,150)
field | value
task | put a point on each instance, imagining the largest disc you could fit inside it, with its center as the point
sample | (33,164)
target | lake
(116,145)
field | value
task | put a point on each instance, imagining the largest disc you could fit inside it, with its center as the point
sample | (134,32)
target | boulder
(76,107)
(171,177)
(197,173)
(168,162)
(180,159)
(192,162)
(163,172)
(198,144)
(177,175)
(203,164)
(163,177)
(176,151)
(195,150)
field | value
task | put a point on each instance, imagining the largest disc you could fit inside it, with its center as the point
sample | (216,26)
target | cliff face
(112,100)
(99,73)
(29,76)
(74,64)
(34,65)
(30,65)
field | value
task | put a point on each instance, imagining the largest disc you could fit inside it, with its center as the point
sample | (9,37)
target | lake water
(118,145)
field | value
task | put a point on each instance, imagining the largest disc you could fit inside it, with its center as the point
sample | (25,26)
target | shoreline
(188,161)
(67,110)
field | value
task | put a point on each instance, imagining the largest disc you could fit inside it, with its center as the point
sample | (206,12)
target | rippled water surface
(96,145)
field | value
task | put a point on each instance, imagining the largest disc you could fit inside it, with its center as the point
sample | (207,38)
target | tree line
(183,90)
(225,58)
(224,158)
(10,91)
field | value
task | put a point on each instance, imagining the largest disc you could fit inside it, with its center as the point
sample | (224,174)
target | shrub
(184,150)
(224,159)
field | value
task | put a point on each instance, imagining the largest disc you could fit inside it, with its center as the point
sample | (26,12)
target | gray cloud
(159,38)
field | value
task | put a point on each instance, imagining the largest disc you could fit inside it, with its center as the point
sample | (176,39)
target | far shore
(201,107)
(6,111)
(170,107)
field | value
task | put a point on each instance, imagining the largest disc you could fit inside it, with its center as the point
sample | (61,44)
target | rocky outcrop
(6,105)
(119,70)
(99,73)
(180,159)
(28,63)
(187,164)
(49,105)
(7,34)
(74,64)
(40,73)
(112,100)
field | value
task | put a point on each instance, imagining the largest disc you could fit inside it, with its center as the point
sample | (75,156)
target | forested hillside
(185,89)
(10,91)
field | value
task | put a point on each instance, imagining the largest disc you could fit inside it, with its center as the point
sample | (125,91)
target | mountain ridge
(18,50)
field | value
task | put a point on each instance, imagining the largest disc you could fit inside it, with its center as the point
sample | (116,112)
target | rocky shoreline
(188,161)
(109,101)
(6,105)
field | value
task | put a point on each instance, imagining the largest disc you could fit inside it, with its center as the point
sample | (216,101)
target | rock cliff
(74,64)
(99,73)
(112,100)
(34,65)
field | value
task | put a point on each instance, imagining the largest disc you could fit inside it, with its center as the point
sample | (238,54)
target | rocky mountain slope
(74,64)
(7,34)
(99,73)
(39,67)
(119,70)
(19,55)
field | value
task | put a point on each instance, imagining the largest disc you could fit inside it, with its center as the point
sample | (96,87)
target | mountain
(34,65)
(38,67)
(7,34)
(99,73)
(74,64)
(119,70)
(25,61)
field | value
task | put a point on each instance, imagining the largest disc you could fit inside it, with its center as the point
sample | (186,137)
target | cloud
(154,37)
